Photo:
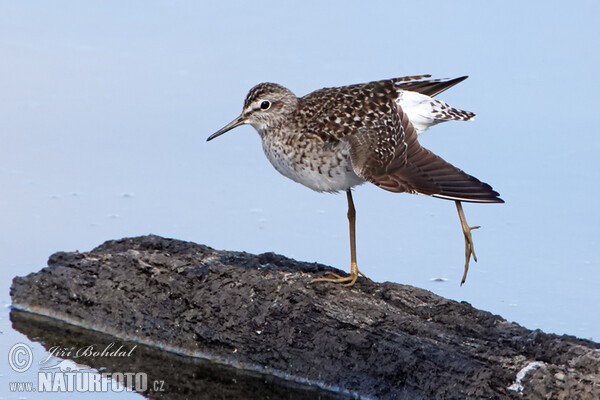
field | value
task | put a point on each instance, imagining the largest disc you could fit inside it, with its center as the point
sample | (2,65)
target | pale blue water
(105,108)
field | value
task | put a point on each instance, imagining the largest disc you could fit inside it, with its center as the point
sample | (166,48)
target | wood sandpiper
(336,138)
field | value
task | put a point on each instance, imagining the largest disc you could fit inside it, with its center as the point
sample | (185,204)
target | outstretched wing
(429,87)
(390,157)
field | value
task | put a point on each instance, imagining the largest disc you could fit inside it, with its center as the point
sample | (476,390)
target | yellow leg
(354,272)
(469,247)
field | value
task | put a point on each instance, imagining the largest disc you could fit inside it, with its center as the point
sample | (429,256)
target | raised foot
(348,280)
(469,246)
(469,250)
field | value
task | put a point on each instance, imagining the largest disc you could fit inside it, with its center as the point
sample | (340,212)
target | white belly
(324,170)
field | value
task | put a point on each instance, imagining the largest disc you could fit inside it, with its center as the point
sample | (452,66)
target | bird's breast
(323,167)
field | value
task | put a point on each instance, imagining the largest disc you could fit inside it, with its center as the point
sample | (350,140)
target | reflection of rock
(262,313)
(178,376)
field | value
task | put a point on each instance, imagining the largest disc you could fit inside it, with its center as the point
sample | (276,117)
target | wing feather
(430,87)
(412,168)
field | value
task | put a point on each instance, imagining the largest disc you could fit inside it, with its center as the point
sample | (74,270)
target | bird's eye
(265,105)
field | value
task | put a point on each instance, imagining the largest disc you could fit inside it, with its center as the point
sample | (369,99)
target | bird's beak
(233,124)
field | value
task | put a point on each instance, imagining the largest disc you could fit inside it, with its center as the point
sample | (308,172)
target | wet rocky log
(261,313)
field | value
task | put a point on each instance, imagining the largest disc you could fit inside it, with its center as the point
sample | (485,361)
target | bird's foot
(469,249)
(347,280)
(469,246)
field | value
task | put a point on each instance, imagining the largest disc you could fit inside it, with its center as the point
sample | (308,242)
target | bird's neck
(274,127)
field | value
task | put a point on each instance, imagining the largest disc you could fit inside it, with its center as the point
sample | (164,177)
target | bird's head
(266,105)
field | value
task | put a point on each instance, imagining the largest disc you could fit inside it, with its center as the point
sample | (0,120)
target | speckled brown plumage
(362,127)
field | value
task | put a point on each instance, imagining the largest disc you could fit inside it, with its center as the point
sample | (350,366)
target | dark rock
(262,313)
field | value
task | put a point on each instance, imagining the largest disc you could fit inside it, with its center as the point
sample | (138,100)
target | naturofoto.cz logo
(69,376)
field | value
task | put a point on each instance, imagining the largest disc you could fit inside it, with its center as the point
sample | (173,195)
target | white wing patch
(424,111)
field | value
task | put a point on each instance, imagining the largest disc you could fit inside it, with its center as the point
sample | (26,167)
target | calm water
(105,108)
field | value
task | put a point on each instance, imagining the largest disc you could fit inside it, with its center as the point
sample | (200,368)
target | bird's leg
(354,272)
(469,247)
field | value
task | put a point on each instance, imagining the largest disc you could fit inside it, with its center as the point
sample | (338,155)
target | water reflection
(178,377)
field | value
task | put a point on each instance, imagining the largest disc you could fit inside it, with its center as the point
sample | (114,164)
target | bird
(337,138)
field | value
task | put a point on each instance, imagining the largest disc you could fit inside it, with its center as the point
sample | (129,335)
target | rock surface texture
(262,313)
